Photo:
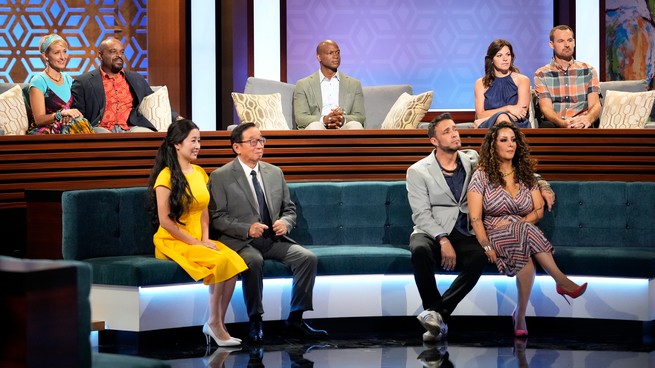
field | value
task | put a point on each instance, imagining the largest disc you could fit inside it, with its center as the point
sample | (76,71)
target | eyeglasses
(253,142)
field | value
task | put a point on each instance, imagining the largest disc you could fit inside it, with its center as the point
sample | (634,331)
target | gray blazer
(308,100)
(434,208)
(233,207)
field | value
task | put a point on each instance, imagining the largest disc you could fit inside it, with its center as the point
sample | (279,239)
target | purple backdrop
(431,44)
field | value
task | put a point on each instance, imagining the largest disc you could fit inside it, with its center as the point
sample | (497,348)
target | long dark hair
(524,164)
(181,196)
(492,50)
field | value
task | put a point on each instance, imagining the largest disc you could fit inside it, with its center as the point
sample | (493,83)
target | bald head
(328,55)
(112,55)
(321,45)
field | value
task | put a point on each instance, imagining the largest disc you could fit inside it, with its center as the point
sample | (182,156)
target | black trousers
(426,256)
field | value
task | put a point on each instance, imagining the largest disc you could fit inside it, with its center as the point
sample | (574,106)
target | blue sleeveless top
(503,91)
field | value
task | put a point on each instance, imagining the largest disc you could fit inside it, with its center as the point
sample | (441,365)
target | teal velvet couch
(597,228)
(603,232)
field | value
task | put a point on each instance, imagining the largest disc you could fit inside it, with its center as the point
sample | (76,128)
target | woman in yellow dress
(179,200)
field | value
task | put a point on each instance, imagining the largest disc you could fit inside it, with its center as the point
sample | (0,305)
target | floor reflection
(434,356)
(396,343)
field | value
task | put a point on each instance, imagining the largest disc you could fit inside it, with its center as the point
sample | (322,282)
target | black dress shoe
(256,331)
(302,329)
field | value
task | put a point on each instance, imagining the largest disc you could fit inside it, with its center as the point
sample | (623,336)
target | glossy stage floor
(396,342)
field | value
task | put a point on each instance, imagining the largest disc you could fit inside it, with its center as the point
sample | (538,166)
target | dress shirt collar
(247,169)
(324,78)
(554,64)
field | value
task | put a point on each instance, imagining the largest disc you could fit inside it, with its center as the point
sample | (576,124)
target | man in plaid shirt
(567,89)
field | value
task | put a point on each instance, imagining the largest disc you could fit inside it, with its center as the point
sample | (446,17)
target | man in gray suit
(328,99)
(252,210)
(436,189)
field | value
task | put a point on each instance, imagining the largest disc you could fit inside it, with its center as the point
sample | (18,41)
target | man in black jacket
(109,97)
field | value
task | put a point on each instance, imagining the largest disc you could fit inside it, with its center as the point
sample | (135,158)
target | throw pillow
(408,111)
(13,115)
(156,108)
(263,110)
(626,110)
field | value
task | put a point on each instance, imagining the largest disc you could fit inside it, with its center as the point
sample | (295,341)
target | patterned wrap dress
(198,261)
(516,242)
(55,102)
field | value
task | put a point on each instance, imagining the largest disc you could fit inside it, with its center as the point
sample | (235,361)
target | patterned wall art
(630,39)
(430,44)
(82,23)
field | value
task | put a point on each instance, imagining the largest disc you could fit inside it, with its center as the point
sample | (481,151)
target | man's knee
(420,251)
(310,258)
(254,260)
(477,260)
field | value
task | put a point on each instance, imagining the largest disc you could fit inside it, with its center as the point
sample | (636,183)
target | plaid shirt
(567,89)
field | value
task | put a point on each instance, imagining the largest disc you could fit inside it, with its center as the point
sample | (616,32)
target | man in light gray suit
(328,99)
(436,189)
(252,210)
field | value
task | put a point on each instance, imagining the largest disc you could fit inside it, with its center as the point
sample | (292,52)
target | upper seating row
(391,106)
(379,100)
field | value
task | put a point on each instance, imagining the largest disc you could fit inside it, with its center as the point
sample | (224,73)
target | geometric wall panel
(82,23)
(432,45)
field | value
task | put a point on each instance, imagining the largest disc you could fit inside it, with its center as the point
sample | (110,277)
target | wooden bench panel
(120,160)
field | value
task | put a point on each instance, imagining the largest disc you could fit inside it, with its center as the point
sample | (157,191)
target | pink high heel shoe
(518,333)
(573,294)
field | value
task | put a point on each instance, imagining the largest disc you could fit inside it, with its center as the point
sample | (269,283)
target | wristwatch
(486,248)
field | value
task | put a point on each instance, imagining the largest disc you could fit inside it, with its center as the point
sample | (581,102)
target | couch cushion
(640,85)
(626,110)
(13,113)
(117,216)
(378,100)
(607,261)
(357,213)
(263,110)
(156,108)
(136,270)
(260,86)
(408,111)
(362,259)
(601,214)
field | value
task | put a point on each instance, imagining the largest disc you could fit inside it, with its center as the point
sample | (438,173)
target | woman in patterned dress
(178,200)
(505,204)
(50,93)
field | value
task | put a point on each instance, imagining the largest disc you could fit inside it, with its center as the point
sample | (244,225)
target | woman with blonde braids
(504,205)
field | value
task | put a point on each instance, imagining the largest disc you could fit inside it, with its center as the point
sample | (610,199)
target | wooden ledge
(121,160)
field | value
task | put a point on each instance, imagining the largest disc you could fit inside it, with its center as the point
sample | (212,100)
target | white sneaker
(433,322)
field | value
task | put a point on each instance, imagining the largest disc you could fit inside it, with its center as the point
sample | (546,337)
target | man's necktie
(261,200)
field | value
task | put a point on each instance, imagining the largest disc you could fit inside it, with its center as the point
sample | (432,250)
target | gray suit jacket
(434,208)
(233,207)
(308,100)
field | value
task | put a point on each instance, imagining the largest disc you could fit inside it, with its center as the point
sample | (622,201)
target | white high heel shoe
(209,334)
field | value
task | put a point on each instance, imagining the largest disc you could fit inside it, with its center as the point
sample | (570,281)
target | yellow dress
(198,261)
